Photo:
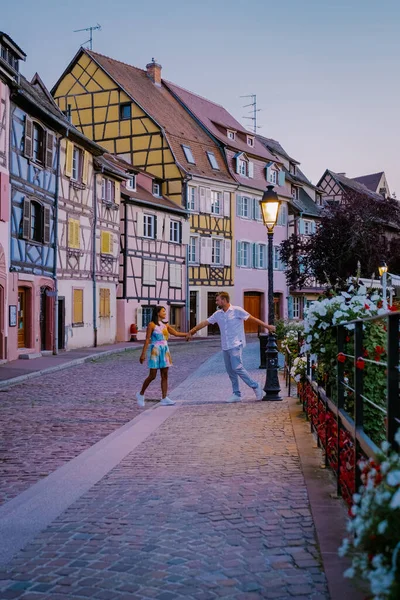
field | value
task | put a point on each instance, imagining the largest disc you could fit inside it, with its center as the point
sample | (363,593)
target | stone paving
(47,421)
(212,505)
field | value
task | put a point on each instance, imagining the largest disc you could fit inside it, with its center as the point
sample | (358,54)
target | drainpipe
(94,259)
(55,314)
(187,301)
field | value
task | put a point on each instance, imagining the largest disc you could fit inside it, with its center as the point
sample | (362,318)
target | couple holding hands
(230,320)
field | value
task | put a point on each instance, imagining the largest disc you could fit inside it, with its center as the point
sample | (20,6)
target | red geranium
(360,363)
(341,357)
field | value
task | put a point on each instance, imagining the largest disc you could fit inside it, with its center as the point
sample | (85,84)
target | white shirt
(231,326)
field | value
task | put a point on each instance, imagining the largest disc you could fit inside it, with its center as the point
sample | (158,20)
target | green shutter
(281,178)
(290,307)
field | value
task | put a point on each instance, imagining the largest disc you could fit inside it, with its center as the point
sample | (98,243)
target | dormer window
(292,168)
(213,160)
(242,167)
(189,155)
(156,189)
(231,134)
(131,183)
(295,192)
(273,176)
(250,141)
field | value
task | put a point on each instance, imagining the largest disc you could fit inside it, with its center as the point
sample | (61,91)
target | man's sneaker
(259,392)
(140,399)
(167,402)
(234,398)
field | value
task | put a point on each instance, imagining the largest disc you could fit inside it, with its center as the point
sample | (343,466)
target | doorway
(211,308)
(22,317)
(252,304)
(61,323)
(193,309)
(2,313)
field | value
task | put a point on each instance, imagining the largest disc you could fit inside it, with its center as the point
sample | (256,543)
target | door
(193,309)
(211,308)
(61,323)
(2,312)
(21,317)
(252,304)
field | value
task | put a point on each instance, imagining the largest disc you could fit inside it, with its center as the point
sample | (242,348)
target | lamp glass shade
(270,207)
(382,268)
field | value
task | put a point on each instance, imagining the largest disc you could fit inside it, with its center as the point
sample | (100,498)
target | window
(175,231)
(250,141)
(282,215)
(216,252)
(277,260)
(246,207)
(131,183)
(35,223)
(295,192)
(308,227)
(188,154)
(108,191)
(231,134)
(105,310)
(242,167)
(318,199)
(73,233)
(273,176)
(149,272)
(292,168)
(77,306)
(125,111)
(261,256)
(77,164)
(191,199)
(296,307)
(175,275)
(147,313)
(245,254)
(149,226)
(257,210)
(156,189)
(193,249)
(106,242)
(213,160)
(216,203)
(38,143)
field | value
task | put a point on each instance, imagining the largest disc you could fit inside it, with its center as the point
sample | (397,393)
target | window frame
(177,267)
(218,202)
(174,231)
(121,111)
(273,176)
(157,186)
(296,307)
(295,192)
(149,313)
(191,201)
(195,239)
(213,160)
(245,246)
(261,250)
(79,152)
(250,138)
(188,154)
(39,160)
(148,261)
(130,187)
(214,242)
(243,167)
(149,221)
(308,224)
(231,134)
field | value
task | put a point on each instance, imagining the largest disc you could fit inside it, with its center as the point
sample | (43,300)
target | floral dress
(159,356)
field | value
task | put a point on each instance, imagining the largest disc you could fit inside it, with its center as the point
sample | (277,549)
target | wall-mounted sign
(13,315)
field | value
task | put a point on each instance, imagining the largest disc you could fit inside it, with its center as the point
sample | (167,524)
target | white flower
(322,349)
(344,547)
(395,503)
(349,573)
(385,446)
(394,478)
(397,436)
(383,525)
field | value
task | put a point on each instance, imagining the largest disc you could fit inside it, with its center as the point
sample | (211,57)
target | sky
(325,72)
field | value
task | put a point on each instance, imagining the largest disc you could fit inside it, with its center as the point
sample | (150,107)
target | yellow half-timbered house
(131,113)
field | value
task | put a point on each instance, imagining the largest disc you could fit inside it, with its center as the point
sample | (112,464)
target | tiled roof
(306,205)
(179,126)
(217,120)
(353,185)
(370,181)
(275,147)
(111,166)
(146,197)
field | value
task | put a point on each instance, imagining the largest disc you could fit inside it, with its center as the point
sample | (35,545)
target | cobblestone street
(212,504)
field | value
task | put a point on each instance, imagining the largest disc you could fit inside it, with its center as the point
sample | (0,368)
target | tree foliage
(359,230)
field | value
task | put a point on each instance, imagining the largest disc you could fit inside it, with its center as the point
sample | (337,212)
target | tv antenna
(91,29)
(253,112)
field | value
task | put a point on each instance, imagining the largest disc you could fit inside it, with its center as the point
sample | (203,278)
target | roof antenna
(91,29)
(254,112)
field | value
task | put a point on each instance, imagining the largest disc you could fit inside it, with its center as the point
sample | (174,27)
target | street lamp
(269,208)
(383,274)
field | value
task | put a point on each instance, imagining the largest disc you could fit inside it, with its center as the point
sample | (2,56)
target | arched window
(38,143)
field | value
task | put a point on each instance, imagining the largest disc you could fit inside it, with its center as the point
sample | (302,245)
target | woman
(159,356)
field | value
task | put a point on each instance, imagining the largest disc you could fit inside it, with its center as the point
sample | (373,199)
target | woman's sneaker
(140,399)
(234,398)
(167,402)
(259,392)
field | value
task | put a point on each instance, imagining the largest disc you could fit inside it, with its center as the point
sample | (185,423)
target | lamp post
(269,208)
(383,274)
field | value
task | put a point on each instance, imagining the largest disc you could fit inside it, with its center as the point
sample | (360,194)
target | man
(231,324)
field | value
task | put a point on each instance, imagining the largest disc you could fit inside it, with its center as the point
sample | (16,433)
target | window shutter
(49,150)
(202,191)
(239,205)
(26,219)
(167,229)
(304,308)
(208,201)
(281,178)
(180,232)
(85,167)
(254,261)
(101,303)
(139,317)
(117,192)
(78,306)
(108,303)
(284,213)
(290,307)
(186,233)
(77,236)
(28,139)
(203,250)
(139,224)
(251,208)
(238,254)
(227,252)
(268,172)
(155,227)
(301,226)
(238,165)
(251,169)
(178,275)
(209,251)
(69,153)
(313,224)
(46,226)
(227,204)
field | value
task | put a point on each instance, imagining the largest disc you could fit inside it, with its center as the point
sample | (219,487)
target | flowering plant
(299,369)
(291,338)
(374,543)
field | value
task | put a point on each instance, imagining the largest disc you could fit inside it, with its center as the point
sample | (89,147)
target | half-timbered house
(154,239)
(10,55)
(132,113)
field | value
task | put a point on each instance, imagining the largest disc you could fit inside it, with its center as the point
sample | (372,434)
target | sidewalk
(198,501)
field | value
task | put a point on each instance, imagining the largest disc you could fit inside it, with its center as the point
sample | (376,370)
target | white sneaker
(140,399)
(167,402)
(234,398)
(259,392)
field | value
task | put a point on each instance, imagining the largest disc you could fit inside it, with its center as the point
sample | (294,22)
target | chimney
(154,72)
